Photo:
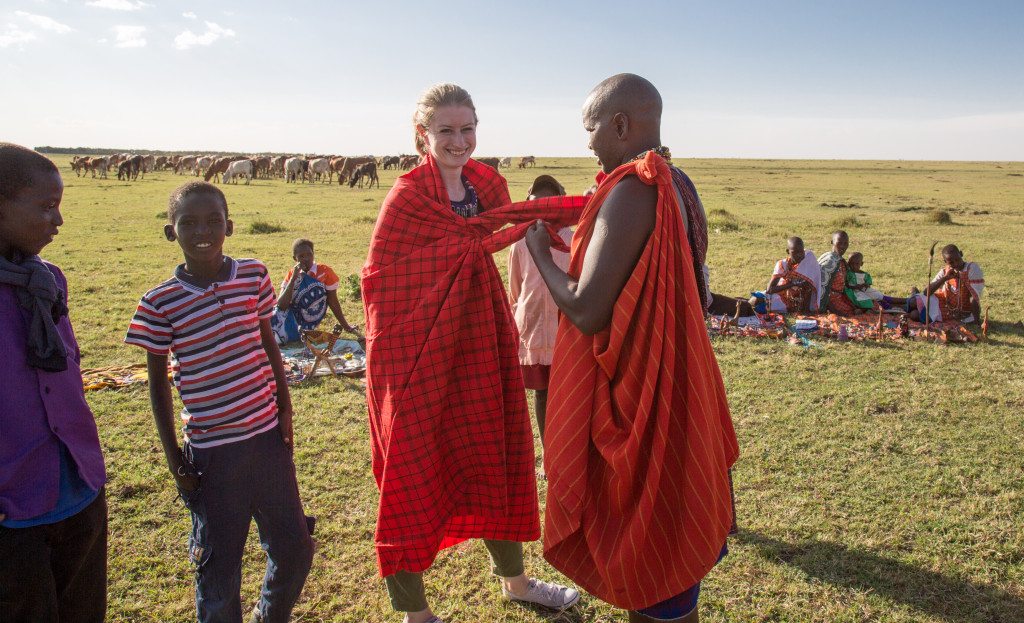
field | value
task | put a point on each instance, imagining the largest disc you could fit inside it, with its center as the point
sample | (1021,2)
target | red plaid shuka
(452,443)
(639,439)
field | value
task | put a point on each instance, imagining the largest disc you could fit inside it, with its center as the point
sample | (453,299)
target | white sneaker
(547,594)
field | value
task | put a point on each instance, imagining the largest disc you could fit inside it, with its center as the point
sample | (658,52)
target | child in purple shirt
(53,513)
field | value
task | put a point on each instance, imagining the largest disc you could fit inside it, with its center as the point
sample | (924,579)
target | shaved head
(622,114)
(626,93)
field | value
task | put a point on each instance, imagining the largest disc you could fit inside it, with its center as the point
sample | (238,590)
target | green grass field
(877,482)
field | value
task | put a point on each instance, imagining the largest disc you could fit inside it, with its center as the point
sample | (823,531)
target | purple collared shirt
(38,408)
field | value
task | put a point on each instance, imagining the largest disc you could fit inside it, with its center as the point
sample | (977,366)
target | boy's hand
(185,477)
(284,424)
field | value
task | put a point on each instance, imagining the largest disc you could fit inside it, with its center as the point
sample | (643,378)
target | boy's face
(30,220)
(795,252)
(200,227)
(840,244)
(542,192)
(304,256)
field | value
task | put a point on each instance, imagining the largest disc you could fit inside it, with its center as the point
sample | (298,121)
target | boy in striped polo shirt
(214,316)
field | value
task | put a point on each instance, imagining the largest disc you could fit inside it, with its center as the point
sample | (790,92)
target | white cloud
(189,15)
(188,39)
(44,22)
(118,5)
(12,35)
(129,36)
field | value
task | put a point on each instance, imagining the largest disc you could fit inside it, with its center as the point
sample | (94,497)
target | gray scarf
(38,293)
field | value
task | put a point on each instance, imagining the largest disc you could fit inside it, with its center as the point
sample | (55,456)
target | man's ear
(169,232)
(230,228)
(620,121)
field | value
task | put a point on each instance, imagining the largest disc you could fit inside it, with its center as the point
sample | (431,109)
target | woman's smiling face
(451,136)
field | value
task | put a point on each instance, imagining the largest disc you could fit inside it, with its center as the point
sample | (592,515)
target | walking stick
(928,291)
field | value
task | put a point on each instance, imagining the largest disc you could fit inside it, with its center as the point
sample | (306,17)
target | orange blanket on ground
(638,438)
(450,432)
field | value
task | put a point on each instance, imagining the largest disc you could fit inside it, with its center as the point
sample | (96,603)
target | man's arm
(163,415)
(284,399)
(624,223)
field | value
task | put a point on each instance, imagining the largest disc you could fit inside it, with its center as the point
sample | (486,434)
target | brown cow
(408,162)
(491,162)
(219,166)
(367,171)
(527,160)
(346,167)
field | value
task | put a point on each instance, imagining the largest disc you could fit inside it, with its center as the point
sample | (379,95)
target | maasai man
(639,438)
(307,292)
(795,282)
(451,437)
(956,289)
(833,277)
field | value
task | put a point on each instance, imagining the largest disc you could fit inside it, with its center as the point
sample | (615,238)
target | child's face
(840,244)
(304,256)
(795,252)
(543,192)
(200,227)
(30,220)
(856,263)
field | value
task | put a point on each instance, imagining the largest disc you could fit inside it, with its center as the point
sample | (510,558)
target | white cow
(202,164)
(505,162)
(293,169)
(319,168)
(238,168)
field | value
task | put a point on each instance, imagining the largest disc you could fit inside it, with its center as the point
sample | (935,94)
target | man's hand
(538,240)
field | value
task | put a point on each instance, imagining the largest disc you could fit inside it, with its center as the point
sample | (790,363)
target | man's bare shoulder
(631,203)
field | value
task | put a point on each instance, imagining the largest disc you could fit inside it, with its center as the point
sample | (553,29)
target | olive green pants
(406,589)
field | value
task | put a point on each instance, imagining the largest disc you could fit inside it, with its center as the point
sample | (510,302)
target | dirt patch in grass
(939,217)
(833,204)
(263,227)
(722,220)
(847,222)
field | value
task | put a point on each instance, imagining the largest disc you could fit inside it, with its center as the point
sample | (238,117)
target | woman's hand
(538,240)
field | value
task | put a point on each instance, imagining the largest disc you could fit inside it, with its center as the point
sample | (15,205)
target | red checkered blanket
(451,438)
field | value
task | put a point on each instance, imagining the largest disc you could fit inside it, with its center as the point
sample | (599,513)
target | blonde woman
(451,437)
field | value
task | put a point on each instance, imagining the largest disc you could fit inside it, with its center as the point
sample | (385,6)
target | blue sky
(826,79)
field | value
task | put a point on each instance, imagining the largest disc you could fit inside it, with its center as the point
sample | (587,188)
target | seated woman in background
(306,293)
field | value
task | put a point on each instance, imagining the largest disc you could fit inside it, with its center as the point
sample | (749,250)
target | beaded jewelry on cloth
(661,150)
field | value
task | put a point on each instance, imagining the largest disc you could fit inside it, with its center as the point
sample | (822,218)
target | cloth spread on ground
(860,328)
(38,293)
(308,306)
(348,357)
(639,438)
(452,446)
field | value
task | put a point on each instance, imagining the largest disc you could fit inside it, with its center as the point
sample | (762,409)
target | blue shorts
(680,605)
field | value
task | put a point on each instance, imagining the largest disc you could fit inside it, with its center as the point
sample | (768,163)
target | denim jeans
(239,481)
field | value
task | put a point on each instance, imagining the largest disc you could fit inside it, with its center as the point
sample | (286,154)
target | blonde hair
(438,96)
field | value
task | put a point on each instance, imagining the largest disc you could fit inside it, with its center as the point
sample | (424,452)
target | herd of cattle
(349,170)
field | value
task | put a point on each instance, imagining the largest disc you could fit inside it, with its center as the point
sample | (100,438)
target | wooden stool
(312,337)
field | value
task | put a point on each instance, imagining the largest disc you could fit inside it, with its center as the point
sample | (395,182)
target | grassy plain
(877,482)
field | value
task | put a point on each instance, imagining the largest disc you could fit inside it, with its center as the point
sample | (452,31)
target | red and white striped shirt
(219,365)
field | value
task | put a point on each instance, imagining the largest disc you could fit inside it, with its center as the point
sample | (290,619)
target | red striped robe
(639,439)
(451,438)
